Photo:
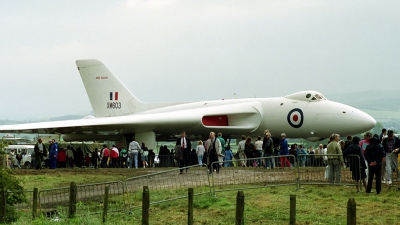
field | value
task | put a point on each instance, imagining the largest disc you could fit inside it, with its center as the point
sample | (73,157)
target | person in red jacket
(62,158)
(87,160)
(105,153)
(114,156)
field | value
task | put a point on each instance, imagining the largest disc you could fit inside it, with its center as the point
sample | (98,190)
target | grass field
(320,204)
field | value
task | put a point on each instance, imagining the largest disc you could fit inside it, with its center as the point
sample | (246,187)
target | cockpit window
(311,96)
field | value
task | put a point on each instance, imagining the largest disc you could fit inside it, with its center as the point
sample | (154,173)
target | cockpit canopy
(311,96)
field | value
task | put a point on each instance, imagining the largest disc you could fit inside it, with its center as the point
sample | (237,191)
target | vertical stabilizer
(107,94)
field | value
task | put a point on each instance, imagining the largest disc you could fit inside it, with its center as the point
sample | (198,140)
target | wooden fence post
(72,200)
(292,209)
(105,204)
(35,203)
(239,208)
(190,206)
(145,205)
(351,212)
(3,205)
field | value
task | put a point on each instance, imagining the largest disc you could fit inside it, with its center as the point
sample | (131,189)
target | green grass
(317,204)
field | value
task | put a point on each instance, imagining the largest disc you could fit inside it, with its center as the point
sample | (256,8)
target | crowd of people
(377,155)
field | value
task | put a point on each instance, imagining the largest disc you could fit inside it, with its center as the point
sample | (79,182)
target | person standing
(79,157)
(228,156)
(383,135)
(268,148)
(70,157)
(283,151)
(46,157)
(95,158)
(19,158)
(53,154)
(335,162)
(200,152)
(39,149)
(259,147)
(214,148)
(114,156)
(312,156)
(357,164)
(302,156)
(62,158)
(186,147)
(221,156)
(133,152)
(11,157)
(319,156)
(242,155)
(391,145)
(249,150)
(123,155)
(374,153)
(144,155)
(105,154)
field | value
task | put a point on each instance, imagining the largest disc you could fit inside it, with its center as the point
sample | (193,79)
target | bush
(12,185)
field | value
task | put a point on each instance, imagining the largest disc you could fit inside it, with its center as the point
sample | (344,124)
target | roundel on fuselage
(295,118)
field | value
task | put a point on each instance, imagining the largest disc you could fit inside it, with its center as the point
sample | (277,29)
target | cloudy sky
(167,50)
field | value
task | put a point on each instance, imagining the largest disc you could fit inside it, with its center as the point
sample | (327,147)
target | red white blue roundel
(295,118)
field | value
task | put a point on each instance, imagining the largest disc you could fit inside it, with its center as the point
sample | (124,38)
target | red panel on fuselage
(215,121)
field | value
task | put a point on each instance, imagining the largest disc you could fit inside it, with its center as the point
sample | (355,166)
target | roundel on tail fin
(295,118)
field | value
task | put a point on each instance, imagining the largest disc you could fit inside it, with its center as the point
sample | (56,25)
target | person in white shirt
(258,145)
(200,152)
(133,152)
(114,156)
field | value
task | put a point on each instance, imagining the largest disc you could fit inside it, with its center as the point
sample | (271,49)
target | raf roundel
(295,118)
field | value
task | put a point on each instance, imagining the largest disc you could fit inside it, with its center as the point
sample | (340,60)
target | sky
(167,50)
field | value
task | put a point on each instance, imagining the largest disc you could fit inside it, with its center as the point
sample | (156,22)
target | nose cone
(343,119)
(361,120)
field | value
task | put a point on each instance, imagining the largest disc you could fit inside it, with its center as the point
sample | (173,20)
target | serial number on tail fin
(113,105)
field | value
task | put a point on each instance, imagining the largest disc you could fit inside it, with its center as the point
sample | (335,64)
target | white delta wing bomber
(119,115)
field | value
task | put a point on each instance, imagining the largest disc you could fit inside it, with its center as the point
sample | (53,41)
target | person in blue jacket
(228,156)
(53,154)
(283,151)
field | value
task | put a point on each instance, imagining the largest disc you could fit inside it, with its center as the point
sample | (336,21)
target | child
(228,156)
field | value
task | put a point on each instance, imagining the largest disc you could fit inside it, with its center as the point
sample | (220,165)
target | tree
(15,192)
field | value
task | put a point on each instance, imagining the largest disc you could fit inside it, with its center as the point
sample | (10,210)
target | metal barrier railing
(55,199)
(170,181)
(251,175)
(158,161)
(91,196)
(94,193)
(247,174)
(328,170)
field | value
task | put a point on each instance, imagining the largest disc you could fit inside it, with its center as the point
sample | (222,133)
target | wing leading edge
(240,117)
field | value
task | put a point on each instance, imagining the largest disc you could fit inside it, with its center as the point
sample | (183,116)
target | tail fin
(107,94)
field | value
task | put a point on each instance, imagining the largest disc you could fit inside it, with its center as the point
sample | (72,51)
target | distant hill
(370,100)
(383,106)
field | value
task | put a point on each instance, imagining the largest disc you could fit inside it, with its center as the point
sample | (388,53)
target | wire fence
(329,169)
(54,200)
(251,173)
(172,184)
(164,184)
